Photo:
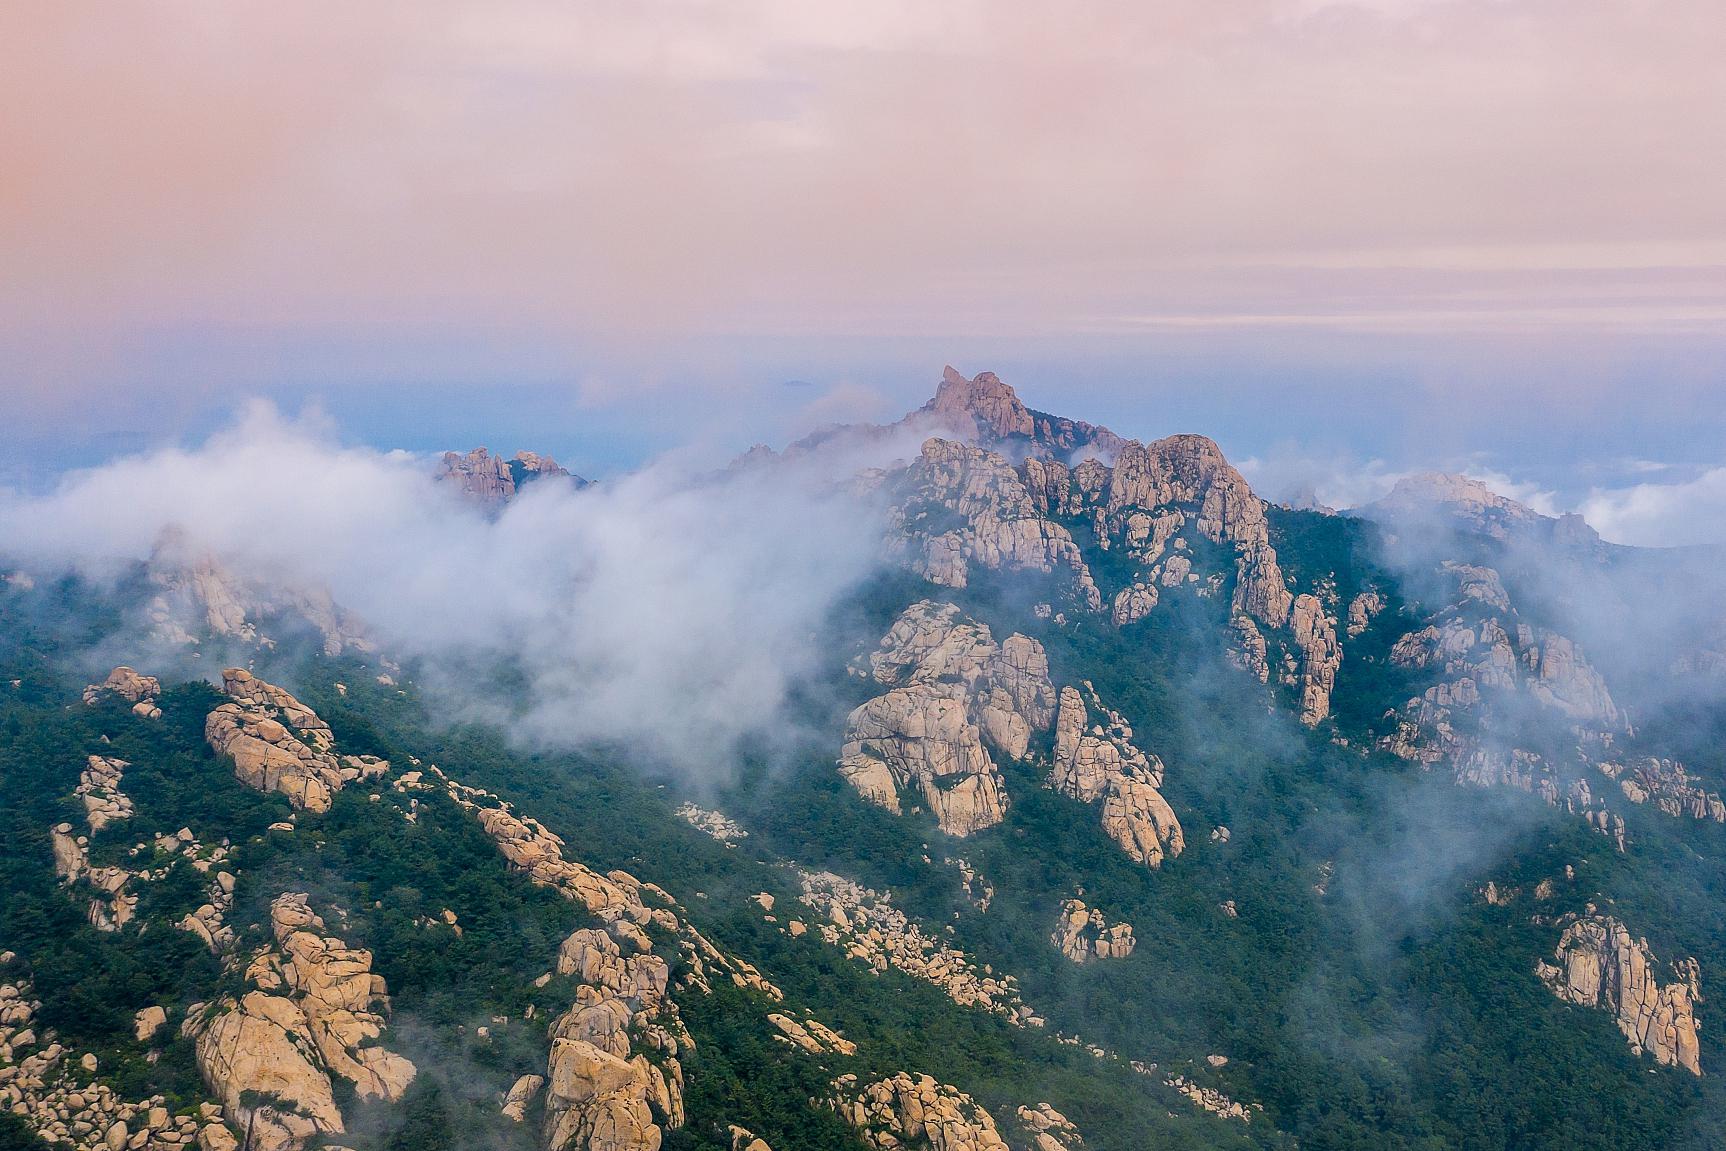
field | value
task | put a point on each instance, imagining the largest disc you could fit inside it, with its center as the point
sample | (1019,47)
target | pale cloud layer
(1683,512)
(670,610)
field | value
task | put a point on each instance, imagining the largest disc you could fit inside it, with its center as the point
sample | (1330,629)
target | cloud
(669,611)
(1689,511)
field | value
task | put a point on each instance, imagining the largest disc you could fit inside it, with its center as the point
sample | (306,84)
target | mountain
(1470,505)
(492,481)
(1110,807)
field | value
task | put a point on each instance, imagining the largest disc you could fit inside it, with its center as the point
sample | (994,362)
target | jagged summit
(985,410)
(493,481)
(992,409)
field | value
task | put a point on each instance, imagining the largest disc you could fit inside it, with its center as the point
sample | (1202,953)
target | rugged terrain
(1126,809)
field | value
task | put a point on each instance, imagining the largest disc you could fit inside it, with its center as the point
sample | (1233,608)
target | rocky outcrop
(1100,761)
(1362,610)
(811,1035)
(602,1093)
(520,1097)
(1210,1099)
(613,1079)
(256,1057)
(196,597)
(980,409)
(1147,495)
(1049,1130)
(743,1139)
(906,1111)
(1503,686)
(954,693)
(1083,933)
(1600,965)
(99,789)
(1669,786)
(1133,603)
(715,823)
(492,481)
(985,410)
(343,1002)
(315,1011)
(959,505)
(867,926)
(1320,655)
(279,744)
(60,1099)
(113,902)
(138,690)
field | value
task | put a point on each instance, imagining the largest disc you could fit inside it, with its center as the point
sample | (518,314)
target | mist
(667,612)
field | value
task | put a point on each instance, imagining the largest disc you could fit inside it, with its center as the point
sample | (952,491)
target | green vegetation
(1391,1009)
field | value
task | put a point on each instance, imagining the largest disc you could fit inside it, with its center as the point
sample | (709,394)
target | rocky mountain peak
(493,481)
(982,405)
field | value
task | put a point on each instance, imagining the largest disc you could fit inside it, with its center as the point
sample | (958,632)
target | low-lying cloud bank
(1681,508)
(670,610)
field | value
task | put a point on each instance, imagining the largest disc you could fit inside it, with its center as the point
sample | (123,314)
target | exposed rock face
(874,932)
(1210,1099)
(598,1095)
(1321,655)
(492,481)
(1083,933)
(905,1111)
(962,506)
(57,1098)
(1049,1129)
(1668,786)
(520,1096)
(980,408)
(195,595)
(811,1035)
(1497,673)
(613,1079)
(257,1049)
(952,689)
(1362,610)
(1600,965)
(481,476)
(314,1013)
(958,505)
(715,823)
(99,788)
(279,744)
(112,902)
(987,411)
(743,1139)
(138,690)
(1137,503)
(1250,653)
(147,1022)
(1133,603)
(341,999)
(1100,761)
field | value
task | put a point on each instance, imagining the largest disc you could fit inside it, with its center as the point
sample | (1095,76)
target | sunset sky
(1345,239)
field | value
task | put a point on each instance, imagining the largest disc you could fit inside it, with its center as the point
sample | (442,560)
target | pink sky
(631,177)
(774,164)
